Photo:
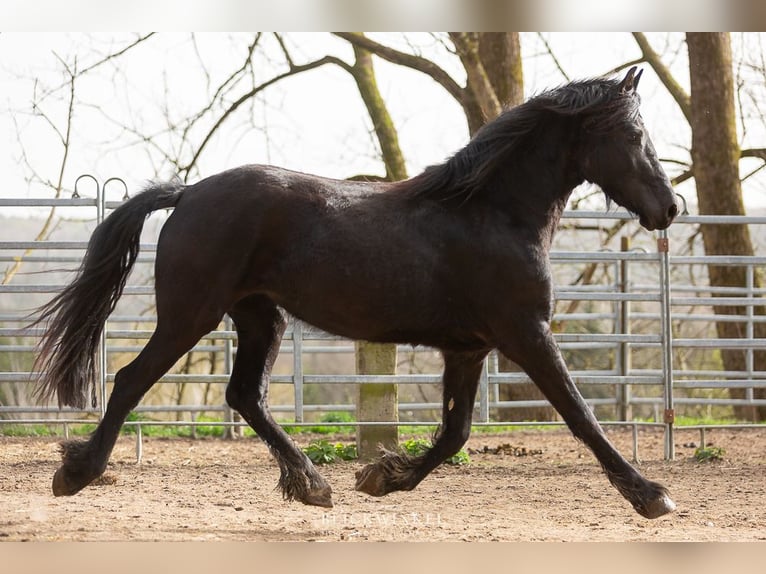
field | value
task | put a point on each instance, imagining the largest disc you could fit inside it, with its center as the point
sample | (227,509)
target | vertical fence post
(102,351)
(623,391)
(750,334)
(663,249)
(484,392)
(230,431)
(298,369)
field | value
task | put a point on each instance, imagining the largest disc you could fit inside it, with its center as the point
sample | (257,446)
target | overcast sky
(314,122)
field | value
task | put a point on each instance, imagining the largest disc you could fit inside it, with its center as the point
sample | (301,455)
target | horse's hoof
(659,507)
(371,480)
(319,497)
(62,486)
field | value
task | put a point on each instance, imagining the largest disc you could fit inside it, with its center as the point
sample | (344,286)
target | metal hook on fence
(75,193)
(685,210)
(126,195)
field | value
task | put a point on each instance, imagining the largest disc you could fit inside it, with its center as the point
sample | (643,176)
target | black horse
(455,258)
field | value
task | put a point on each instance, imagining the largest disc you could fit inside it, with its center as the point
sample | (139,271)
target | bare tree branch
(652,58)
(759,153)
(553,56)
(11,271)
(688,174)
(408,60)
(625,66)
(227,83)
(293,70)
(101,62)
(754,152)
(117,54)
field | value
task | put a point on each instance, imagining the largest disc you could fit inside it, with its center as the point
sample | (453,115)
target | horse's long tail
(75,317)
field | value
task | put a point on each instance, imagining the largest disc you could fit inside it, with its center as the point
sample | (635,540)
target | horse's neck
(533,198)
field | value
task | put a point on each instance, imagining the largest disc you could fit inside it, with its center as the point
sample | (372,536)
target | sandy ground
(225,490)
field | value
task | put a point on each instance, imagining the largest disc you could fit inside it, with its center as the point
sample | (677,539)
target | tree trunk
(378,402)
(715,155)
(498,55)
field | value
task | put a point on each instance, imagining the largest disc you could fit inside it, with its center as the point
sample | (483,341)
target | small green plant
(418,446)
(709,453)
(324,452)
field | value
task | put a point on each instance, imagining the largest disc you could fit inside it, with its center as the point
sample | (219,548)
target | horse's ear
(636,79)
(630,82)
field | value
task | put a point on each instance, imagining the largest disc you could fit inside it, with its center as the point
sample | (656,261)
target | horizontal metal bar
(60,245)
(722,219)
(146,333)
(708,290)
(713,318)
(616,215)
(53,245)
(718,301)
(565,295)
(510,378)
(681,219)
(718,374)
(719,260)
(717,384)
(558,256)
(720,402)
(606,338)
(721,343)
(48,202)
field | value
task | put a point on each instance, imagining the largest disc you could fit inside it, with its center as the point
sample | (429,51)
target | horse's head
(618,155)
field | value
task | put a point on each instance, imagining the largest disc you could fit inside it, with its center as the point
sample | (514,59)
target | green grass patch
(419,446)
(689,421)
(709,453)
(30,430)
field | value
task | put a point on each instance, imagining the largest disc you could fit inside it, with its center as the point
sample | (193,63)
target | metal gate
(625,320)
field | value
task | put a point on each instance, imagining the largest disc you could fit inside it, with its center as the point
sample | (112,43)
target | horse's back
(243,227)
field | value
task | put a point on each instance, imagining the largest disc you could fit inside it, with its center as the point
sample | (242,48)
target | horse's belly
(384,320)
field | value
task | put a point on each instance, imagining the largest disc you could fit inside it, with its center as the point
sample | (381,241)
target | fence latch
(663,245)
(669,417)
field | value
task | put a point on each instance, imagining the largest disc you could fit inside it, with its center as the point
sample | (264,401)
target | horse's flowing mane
(599,102)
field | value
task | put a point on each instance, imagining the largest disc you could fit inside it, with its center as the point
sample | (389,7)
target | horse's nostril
(673,211)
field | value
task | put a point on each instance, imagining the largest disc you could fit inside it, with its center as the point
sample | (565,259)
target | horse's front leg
(398,471)
(533,347)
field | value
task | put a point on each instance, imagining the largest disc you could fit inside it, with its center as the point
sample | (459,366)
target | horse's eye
(635,137)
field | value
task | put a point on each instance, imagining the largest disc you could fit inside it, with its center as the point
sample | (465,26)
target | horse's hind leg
(397,471)
(260,325)
(84,461)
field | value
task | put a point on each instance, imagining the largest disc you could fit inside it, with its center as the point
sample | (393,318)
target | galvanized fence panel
(625,319)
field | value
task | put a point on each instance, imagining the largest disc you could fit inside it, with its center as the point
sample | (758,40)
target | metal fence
(634,346)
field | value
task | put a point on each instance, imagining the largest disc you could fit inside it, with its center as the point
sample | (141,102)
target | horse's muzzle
(661,219)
